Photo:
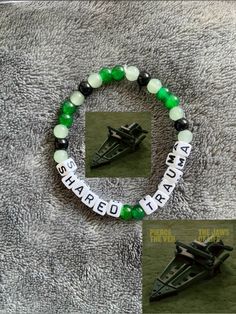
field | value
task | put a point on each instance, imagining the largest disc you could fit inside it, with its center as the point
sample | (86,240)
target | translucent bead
(60,131)
(77,98)
(95,80)
(185,136)
(131,73)
(176,113)
(153,86)
(60,155)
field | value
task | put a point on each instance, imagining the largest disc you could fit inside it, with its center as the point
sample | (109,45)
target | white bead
(176,161)
(66,166)
(77,98)
(166,186)
(69,180)
(114,208)
(80,188)
(60,131)
(60,155)
(95,80)
(153,86)
(160,198)
(148,204)
(173,175)
(131,73)
(89,198)
(100,207)
(185,136)
(176,113)
(182,149)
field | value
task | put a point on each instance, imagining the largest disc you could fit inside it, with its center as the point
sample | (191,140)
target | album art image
(189,266)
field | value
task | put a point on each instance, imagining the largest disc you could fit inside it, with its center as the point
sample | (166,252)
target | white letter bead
(80,188)
(114,208)
(154,85)
(182,149)
(100,207)
(66,167)
(176,161)
(172,174)
(148,204)
(160,198)
(166,186)
(89,198)
(69,180)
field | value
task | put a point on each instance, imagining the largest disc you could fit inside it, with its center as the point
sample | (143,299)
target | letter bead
(176,161)
(182,149)
(114,208)
(69,180)
(166,186)
(148,204)
(80,188)
(66,167)
(100,207)
(173,174)
(89,198)
(160,198)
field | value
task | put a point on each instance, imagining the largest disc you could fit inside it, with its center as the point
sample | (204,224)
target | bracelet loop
(175,160)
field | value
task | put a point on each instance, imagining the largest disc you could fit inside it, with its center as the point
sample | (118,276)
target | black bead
(143,78)
(85,88)
(181,124)
(61,143)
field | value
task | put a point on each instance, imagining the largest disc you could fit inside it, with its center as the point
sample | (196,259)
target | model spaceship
(119,142)
(192,262)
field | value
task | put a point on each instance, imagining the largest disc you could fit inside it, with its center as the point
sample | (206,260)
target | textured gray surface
(56,256)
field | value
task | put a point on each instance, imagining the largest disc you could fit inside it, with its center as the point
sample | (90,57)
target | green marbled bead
(163,94)
(68,108)
(106,75)
(171,102)
(137,212)
(118,73)
(65,119)
(126,212)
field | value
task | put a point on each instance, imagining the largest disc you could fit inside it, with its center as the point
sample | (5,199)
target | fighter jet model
(192,262)
(119,142)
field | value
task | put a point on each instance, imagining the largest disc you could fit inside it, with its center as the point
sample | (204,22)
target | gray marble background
(55,255)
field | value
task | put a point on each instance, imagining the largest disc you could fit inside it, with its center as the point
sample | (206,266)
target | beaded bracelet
(175,160)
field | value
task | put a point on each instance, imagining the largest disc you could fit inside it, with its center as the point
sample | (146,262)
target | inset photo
(189,266)
(118,144)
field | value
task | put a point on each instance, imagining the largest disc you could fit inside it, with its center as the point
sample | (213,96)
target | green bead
(118,73)
(126,212)
(105,74)
(67,107)
(163,94)
(137,212)
(65,119)
(172,101)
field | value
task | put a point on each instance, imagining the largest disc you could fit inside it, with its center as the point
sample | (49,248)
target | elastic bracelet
(175,160)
